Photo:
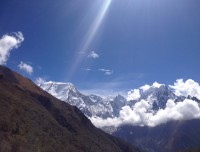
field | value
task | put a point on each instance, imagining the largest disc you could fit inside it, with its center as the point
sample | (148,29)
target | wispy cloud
(8,43)
(104,89)
(26,67)
(103,92)
(40,80)
(87,69)
(93,55)
(106,71)
(118,85)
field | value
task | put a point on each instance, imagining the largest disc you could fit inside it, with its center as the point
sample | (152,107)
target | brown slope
(31,120)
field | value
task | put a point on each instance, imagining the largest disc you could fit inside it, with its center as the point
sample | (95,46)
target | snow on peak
(157,85)
(58,89)
(53,83)
(145,91)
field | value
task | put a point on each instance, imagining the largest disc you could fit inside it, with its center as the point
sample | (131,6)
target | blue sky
(105,45)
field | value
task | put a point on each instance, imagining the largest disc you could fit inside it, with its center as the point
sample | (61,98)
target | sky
(102,46)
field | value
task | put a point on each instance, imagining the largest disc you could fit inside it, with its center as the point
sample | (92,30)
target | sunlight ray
(96,24)
(89,37)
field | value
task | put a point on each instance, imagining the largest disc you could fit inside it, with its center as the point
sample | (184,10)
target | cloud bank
(189,87)
(141,113)
(8,43)
(26,67)
(40,80)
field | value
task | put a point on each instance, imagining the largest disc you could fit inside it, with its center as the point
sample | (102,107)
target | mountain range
(90,105)
(153,117)
(32,120)
(105,107)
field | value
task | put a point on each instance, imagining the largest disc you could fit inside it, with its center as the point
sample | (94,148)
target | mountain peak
(157,85)
(56,84)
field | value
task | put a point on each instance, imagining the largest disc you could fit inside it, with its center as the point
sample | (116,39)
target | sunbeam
(89,37)
(96,24)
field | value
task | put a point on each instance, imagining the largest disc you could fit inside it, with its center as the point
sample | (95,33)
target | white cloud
(133,95)
(140,115)
(145,87)
(103,70)
(189,87)
(25,67)
(93,55)
(8,43)
(40,80)
(185,110)
(106,72)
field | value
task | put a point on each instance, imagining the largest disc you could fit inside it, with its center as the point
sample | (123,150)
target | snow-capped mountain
(60,90)
(91,105)
(66,92)
(156,96)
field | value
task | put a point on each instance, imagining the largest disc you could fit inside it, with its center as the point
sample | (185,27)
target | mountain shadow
(174,136)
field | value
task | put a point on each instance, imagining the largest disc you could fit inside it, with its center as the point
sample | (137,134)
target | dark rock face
(31,120)
(117,104)
(170,137)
